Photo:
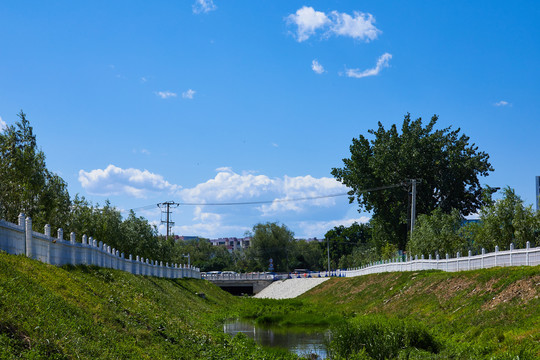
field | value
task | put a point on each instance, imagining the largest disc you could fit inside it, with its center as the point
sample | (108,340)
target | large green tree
(444,161)
(272,241)
(26,185)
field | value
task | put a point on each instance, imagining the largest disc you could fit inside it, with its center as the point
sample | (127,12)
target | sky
(201,101)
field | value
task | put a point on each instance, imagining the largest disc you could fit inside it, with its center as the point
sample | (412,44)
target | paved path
(290,288)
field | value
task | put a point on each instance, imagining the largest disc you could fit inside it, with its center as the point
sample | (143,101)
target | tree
(447,166)
(438,233)
(26,186)
(507,221)
(342,241)
(272,241)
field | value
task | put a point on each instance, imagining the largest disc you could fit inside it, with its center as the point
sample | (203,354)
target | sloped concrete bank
(290,288)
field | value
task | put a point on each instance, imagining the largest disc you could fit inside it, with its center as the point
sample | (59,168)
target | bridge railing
(238,276)
(21,239)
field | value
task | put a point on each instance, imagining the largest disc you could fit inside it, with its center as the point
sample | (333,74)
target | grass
(94,313)
(83,312)
(491,314)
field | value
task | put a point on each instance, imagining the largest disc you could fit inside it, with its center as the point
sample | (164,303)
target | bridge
(254,283)
(239,284)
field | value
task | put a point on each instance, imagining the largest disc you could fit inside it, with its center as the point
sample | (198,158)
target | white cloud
(308,21)
(117,181)
(316,67)
(203,6)
(359,26)
(502,103)
(188,94)
(165,94)
(382,62)
(228,186)
(3,124)
(310,229)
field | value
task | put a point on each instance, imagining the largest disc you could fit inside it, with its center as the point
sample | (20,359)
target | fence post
(21,222)
(511,250)
(457,257)
(28,237)
(447,257)
(469,260)
(528,248)
(496,251)
(483,256)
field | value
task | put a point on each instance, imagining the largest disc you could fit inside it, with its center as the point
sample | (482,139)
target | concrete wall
(21,239)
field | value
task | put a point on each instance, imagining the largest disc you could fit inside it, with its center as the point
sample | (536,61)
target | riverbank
(84,312)
(492,313)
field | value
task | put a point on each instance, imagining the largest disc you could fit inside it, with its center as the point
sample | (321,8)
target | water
(301,343)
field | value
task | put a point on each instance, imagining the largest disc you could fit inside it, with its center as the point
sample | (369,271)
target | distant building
(232,243)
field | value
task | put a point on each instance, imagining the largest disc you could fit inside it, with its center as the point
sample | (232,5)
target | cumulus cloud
(312,229)
(359,26)
(316,67)
(117,181)
(166,94)
(382,63)
(3,124)
(502,103)
(229,186)
(203,6)
(307,21)
(188,94)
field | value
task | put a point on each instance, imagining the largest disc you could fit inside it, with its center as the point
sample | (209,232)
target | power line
(271,201)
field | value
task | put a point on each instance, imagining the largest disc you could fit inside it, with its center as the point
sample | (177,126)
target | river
(297,341)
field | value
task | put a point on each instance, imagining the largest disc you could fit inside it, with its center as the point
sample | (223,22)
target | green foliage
(438,233)
(447,163)
(204,255)
(507,221)
(26,186)
(379,338)
(93,313)
(272,241)
(343,240)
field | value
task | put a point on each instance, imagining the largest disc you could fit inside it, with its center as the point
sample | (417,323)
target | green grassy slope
(89,313)
(484,312)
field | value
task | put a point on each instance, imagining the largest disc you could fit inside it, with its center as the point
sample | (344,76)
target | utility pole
(166,208)
(413,204)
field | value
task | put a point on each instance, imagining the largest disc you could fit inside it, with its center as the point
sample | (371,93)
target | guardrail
(21,239)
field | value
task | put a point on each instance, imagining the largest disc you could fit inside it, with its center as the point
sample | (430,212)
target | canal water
(301,343)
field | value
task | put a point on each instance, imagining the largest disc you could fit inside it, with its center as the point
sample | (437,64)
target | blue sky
(232,101)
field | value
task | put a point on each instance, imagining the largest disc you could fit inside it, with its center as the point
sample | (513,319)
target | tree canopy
(444,162)
(26,185)
(272,241)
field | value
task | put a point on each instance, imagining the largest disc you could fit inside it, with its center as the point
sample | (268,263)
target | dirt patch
(523,290)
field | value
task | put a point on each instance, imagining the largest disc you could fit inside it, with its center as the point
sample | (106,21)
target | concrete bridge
(254,283)
(239,284)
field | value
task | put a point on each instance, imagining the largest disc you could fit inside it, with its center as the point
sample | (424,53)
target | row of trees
(444,163)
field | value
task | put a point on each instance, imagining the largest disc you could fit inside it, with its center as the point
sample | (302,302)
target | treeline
(28,187)
(446,168)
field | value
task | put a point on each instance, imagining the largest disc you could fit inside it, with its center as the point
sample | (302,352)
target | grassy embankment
(93,313)
(492,314)
(88,312)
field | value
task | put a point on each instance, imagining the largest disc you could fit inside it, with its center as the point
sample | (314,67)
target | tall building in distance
(538,193)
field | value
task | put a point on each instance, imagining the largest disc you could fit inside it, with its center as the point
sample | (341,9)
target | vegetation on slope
(490,313)
(92,313)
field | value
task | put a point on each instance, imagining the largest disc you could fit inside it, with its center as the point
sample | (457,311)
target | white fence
(20,239)
(513,257)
